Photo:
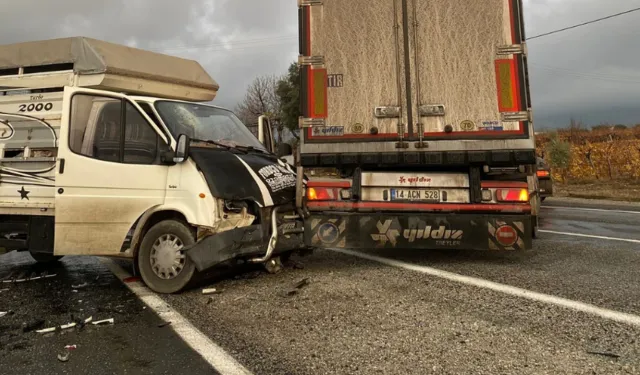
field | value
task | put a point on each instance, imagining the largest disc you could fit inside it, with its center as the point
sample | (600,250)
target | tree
(559,154)
(288,92)
(260,99)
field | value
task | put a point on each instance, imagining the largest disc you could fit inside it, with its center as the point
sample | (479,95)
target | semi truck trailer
(423,109)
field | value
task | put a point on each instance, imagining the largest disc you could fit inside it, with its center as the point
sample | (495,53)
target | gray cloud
(589,73)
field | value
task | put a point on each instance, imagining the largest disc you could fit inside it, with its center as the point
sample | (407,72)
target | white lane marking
(503,288)
(212,353)
(589,236)
(589,209)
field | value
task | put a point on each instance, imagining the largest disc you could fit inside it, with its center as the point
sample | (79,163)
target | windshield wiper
(220,144)
(245,149)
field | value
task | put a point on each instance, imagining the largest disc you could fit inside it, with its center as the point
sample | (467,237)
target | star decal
(24,193)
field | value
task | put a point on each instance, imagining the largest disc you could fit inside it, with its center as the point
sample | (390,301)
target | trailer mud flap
(420,231)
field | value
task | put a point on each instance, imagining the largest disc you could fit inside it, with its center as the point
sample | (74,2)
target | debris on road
(68,325)
(3,313)
(163,324)
(79,286)
(302,283)
(64,357)
(299,285)
(47,330)
(210,291)
(273,266)
(605,354)
(105,321)
(71,347)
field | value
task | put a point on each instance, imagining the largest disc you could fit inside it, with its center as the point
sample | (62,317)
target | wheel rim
(167,257)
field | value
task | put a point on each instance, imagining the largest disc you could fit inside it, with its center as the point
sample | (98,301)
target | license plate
(415,195)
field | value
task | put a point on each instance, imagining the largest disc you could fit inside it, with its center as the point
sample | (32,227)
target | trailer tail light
(512,195)
(323,194)
(542,173)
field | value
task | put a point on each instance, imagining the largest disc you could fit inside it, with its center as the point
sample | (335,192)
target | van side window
(97,131)
(141,140)
(96,127)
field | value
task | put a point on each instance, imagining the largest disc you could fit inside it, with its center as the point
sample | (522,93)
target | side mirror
(284,149)
(182,149)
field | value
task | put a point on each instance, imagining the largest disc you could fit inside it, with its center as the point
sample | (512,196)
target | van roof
(92,57)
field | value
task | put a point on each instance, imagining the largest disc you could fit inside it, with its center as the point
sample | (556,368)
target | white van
(108,150)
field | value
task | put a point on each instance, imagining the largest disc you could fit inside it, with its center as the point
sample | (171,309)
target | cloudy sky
(590,73)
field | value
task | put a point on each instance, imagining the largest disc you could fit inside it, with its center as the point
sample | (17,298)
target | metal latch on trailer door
(516,116)
(512,49)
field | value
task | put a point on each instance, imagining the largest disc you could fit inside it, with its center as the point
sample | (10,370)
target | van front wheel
(164,265)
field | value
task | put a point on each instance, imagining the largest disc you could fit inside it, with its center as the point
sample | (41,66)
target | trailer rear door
(401,72)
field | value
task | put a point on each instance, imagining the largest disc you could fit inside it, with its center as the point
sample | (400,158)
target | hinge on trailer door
(516,116)
(302,3)
(304,122)
(311,60)
(512,49)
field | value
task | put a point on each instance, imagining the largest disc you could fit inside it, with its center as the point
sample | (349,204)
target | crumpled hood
(252,176)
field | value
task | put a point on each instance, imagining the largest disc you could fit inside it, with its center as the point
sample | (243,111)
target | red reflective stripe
(520,208)
(307,25)
(330,184)
(504,184)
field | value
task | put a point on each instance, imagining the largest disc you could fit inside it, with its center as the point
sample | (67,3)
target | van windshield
(205,123)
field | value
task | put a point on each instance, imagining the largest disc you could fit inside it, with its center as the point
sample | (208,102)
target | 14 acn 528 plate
(420,195)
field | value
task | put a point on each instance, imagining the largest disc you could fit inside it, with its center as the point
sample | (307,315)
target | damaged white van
(108,150)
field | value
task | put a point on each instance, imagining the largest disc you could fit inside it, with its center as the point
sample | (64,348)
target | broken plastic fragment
(209,291)
(64,357)
(67,326)
(105,321)
(3,313)
(71,347)
(47,330)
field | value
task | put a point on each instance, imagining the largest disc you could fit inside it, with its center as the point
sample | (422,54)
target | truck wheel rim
(167,256)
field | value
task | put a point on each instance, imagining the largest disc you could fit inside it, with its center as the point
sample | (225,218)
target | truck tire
(45,258)
(164,267)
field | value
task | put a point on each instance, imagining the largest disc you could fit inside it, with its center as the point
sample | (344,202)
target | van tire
(162,234)
(45,258)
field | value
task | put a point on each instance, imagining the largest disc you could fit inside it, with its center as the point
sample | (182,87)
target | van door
(109,171)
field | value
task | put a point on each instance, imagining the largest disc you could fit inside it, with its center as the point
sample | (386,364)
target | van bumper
(418,230)
(241,243)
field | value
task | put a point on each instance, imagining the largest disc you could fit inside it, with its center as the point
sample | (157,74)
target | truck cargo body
(424,108)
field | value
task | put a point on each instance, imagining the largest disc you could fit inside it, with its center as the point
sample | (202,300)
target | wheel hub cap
(167,256)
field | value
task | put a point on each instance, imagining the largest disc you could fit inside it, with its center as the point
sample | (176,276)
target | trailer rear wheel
(164,265)
(45,258)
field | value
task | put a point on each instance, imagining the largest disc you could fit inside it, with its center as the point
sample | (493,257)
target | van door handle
(61,170)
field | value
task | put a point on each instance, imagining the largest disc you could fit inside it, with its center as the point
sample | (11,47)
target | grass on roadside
(618,190)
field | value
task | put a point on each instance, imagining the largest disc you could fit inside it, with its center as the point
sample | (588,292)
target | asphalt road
(396,312)
(134,344)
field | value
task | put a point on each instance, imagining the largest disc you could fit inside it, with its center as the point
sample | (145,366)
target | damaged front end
(279,230)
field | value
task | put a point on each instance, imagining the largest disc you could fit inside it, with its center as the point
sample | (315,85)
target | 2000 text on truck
(109,150)
(424,108)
